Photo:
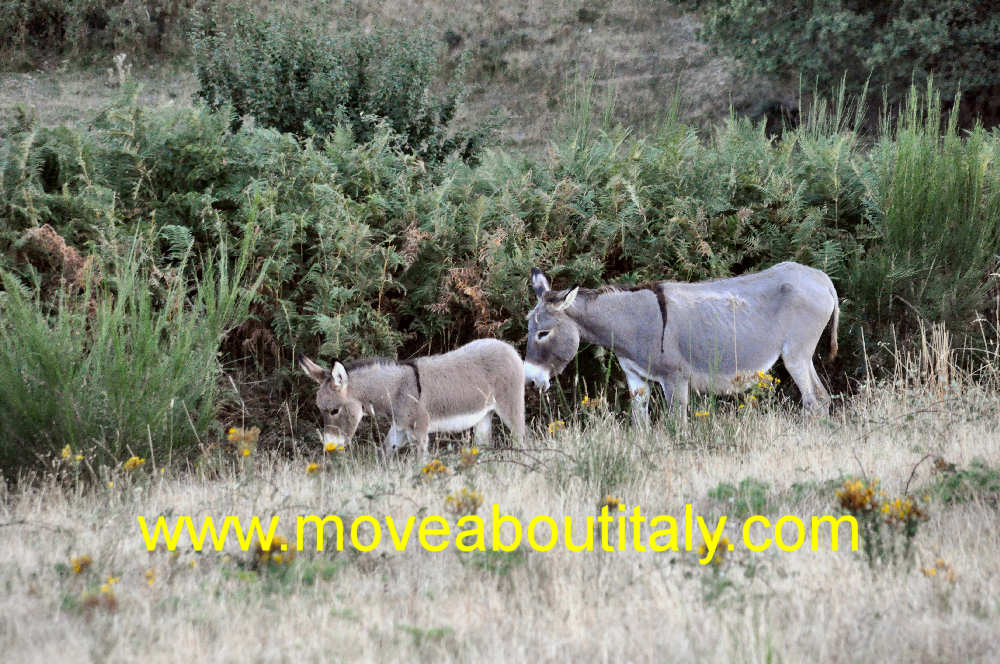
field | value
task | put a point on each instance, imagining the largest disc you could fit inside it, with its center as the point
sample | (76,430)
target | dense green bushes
(36,29)
(364,248)
(292,78)
(889,44)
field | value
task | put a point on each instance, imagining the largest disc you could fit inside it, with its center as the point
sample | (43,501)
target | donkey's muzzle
(536,374)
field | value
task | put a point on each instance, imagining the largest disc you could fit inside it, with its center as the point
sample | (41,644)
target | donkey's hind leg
(419,434)
(484,430)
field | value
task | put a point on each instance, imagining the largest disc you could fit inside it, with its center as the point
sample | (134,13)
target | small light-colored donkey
(713,336)
(454,391)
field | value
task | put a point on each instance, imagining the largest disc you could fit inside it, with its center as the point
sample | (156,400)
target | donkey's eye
(335,411)
(542,334)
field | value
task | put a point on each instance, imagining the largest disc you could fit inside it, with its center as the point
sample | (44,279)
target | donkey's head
(553,337)
(341,412)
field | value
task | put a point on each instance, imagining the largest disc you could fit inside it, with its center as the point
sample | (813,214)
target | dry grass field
(938,605)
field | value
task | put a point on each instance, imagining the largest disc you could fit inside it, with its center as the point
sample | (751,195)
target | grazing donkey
(713,336)
(450,392)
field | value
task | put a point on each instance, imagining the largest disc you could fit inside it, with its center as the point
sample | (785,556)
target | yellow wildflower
(702,413)
(78,458)
(150,576)
(246,451)
(856,496)
(110,484)
(134,462)
(238,435)
(468,457)
(434,468)
(66,452)
(610,502)
(720,551)
(312,468)
(556,426)
(463,502)
(278,551)
(81,563)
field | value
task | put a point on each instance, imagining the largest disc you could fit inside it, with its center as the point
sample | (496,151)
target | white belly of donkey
(459,422)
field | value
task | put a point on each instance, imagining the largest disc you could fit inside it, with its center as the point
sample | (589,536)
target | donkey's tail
(833,324)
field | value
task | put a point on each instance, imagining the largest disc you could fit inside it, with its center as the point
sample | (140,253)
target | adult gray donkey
(713,336)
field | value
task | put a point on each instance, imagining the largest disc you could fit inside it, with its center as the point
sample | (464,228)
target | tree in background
(893,41)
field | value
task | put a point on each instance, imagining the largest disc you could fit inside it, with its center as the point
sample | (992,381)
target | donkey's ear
(316,372)
(339,374)
(567,300)
(539,283)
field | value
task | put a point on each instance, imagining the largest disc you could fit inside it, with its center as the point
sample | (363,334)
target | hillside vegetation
(202,228)
(520,56)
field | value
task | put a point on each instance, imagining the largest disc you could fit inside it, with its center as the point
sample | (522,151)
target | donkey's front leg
(394,439)
(676,388)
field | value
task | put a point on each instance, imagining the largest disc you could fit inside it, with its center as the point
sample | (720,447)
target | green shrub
(127,366)
(961,485)
(749,497)
(295,79)
(35,29)
(887,43)
(933,205)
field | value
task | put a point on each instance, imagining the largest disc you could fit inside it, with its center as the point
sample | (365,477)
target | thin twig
(906,489)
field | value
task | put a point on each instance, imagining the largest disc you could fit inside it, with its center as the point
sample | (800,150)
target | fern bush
(295,79)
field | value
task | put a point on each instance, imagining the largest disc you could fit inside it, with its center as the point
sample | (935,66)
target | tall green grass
(128,366)
(935,212)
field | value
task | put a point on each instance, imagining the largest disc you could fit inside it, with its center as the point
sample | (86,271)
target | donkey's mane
(625,288)
(362,362)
